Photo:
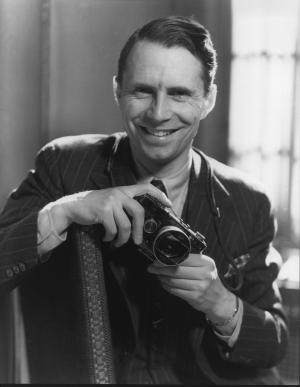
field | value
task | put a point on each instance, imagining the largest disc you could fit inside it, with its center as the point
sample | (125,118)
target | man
(190,323)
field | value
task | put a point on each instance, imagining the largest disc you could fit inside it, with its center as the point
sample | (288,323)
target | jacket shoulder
(232,178)
(81,143)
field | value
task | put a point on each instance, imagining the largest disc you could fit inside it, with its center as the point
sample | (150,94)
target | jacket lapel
(199,214)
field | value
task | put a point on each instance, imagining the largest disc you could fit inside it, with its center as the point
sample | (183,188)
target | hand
(196,281)
(114,208)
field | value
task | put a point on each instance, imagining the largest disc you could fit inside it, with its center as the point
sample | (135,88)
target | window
(264,129)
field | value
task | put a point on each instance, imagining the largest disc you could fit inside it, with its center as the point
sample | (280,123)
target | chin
(159,158)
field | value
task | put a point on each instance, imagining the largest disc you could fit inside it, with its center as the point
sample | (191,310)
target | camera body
(165,236)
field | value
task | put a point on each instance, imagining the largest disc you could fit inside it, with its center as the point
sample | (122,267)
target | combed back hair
(175,31)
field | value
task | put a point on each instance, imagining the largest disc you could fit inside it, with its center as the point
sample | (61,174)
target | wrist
(224,309)
(51,228)
(61,215)
(227,327)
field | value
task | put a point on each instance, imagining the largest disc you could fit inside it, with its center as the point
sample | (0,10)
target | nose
(159,110)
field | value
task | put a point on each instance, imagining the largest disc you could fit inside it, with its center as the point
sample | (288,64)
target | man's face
(162,101)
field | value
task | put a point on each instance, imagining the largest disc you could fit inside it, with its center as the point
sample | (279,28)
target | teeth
(159,133)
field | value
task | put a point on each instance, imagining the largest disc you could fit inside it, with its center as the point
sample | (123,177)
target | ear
(116,90)
(209,100)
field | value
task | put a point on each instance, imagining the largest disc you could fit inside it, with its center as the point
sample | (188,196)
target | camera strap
(215,210)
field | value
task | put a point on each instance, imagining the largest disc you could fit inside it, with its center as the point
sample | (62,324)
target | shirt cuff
(47,237)
(231,340)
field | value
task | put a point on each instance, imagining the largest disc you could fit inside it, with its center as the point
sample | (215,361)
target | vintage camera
(166,237)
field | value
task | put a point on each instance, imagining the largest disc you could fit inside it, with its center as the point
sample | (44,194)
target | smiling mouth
(158,132)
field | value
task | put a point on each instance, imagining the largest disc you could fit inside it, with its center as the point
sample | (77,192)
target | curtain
(264,112)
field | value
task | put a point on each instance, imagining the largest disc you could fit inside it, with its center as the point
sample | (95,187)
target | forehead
(171,66)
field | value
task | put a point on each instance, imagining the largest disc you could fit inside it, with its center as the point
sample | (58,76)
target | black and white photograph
(150,192)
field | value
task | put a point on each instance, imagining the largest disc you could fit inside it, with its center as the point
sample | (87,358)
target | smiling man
(162,97)
(215,318)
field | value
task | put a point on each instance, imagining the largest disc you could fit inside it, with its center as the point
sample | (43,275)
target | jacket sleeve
(18,220)
(263,336)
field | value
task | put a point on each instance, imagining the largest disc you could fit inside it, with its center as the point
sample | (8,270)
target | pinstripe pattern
(79,163)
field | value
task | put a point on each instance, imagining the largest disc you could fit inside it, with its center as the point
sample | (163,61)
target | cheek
(132,109)
(191,121)
(190,113)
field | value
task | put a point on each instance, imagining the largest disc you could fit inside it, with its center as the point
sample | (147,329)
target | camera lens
(171,246)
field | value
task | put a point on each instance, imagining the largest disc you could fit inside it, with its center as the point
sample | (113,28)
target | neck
(148,168)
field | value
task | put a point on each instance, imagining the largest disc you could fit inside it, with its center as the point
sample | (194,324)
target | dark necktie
(160,185)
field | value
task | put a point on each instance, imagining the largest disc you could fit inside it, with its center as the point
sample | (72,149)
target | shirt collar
(173,182)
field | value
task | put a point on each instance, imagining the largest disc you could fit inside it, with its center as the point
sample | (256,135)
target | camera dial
(150,226)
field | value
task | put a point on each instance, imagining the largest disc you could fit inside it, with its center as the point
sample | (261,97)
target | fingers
(196,260)
(122,220)
(110,226)
(183,284)
(184,294)
(140,189)
(129,215)
(123,216)
(193,261)
(180,272)
(137,214)
(123,227)
(158,194)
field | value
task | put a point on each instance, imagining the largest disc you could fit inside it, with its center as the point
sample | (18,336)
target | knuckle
(110,199)
(126,228)
(196,288)
(122,239)
(111,234)
(106,208)
(205,288)
(200,287)
(110,231)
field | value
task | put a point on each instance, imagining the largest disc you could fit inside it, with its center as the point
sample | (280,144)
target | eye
(179,95)
(142,91)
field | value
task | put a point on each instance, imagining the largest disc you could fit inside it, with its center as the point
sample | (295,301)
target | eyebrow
(180,90)
(143,86)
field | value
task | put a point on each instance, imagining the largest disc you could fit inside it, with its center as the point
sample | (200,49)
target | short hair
(174,31)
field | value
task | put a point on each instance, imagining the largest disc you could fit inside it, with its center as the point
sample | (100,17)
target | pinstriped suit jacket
(53,320)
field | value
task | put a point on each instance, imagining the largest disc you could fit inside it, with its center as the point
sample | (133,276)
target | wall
(20,89)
